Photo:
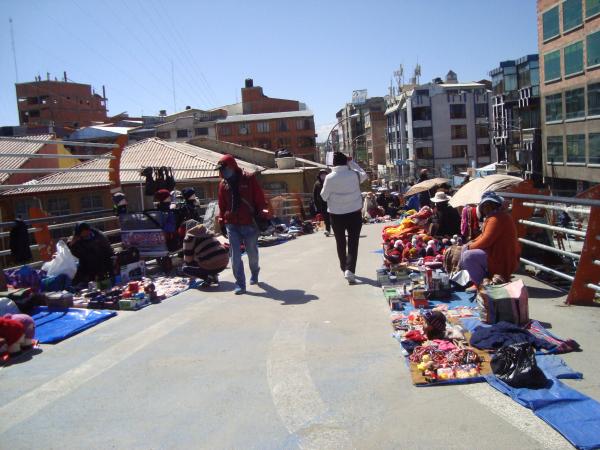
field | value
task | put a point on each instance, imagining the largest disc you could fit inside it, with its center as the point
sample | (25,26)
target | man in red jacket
(240,200)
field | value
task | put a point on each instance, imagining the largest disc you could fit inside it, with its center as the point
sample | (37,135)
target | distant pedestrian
(241,199)
(424,197)
(342,193)
(320,204)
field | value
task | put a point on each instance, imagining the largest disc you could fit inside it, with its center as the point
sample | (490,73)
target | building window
(225,131)
(422,133)
(482,131)
(572,14)
(304,142)
(458,111)
(243,128)
(163,134)
(593,49)
(422,92)
(574,58)
(510,79)
(593,98)
(483,150)
(576,148)
(481,110)
(302,124)
(552,66)
(550,23)
(575,103)
(592,7)
(554,107)
(203,131)
(182,133)
(554,149)
(594,146)
(458,131)
(421,113)
(282,125)
(91,202)
(58,206)
(424,153)
(22,207)
(460,151)
(262,127)
(283,142)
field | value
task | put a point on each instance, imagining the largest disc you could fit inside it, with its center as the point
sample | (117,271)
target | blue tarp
(571,413)
(54,325)
(456,299)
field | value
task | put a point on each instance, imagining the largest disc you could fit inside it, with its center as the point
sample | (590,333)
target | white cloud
(323,131)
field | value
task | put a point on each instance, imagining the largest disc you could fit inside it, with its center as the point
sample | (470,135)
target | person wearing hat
(190,209)
(204,256)
(446,219)
(241,199)
(320,204)
(94,252)
(496,251)
(163,200)
(119,203)
(424,197)
(341,191)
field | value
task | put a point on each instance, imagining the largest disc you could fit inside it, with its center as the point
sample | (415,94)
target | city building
(361,132)
(569,47)
(442,126)
(515,123)
(59,104)
(190,123)
(268,123)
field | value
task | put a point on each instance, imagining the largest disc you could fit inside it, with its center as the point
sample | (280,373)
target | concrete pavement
(301,361)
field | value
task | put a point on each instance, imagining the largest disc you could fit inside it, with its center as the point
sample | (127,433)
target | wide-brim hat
(440,197)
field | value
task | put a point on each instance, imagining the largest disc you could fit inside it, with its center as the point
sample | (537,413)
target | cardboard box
(133,271)
(131,304)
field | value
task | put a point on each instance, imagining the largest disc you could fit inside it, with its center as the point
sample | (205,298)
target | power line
(14,52)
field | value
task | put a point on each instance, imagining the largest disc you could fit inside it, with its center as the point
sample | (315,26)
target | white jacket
(341,189)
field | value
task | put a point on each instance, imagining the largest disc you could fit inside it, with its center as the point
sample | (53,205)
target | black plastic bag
(515,365)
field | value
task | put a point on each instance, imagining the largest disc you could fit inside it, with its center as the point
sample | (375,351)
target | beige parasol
(425,186)
(470,193)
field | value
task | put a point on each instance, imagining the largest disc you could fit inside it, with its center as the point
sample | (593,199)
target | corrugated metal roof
(188,162)
(26,148)
(265,116)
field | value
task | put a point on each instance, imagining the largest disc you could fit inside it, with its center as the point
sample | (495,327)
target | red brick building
(59,104)
(268,123)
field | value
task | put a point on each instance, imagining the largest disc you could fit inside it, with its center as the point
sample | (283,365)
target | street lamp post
(328,143)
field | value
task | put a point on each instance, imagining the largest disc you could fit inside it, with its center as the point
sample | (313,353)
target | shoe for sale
(350,277)
(239,290)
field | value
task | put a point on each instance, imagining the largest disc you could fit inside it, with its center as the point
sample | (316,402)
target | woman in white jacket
(341,191)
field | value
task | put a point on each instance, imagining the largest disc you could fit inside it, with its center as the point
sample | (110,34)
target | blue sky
(314,51)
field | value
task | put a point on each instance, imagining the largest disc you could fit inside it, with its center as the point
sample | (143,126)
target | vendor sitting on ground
(446,219)
(94,252)
(203,255)
(371,209)
(496,250)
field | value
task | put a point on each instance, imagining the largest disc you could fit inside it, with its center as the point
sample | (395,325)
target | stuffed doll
(13,332)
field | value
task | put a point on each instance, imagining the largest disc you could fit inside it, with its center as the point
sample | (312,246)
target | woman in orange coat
(496,250)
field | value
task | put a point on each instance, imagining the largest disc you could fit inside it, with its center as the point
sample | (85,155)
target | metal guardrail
(585,284)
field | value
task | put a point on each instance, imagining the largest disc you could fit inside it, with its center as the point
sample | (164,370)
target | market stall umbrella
(425,186)
(471,192)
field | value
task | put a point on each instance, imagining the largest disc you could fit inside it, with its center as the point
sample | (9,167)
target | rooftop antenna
(12,43)
(399,76)
(417,72)
(173,83)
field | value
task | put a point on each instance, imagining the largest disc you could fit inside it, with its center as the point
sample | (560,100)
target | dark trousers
(327,220)
(351,223)
(197,272)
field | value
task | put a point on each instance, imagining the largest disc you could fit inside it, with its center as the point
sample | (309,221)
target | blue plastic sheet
(55,325)
(555,367)
(573,414)
(456,299)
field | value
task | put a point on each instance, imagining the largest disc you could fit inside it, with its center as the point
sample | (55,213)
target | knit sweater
(499,240)
(201,249)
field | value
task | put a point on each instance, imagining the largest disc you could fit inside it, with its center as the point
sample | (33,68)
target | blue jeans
(248,235)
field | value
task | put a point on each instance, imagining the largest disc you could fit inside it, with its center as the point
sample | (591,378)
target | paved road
(303,361)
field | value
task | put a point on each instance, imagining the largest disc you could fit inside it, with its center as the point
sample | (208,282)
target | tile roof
(26,148)
(188,162)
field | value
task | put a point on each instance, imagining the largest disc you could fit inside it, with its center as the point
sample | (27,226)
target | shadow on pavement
(287,297)
(363,280)
(540,292)
(23,357)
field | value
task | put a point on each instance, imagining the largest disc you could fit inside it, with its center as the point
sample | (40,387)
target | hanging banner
(359,97)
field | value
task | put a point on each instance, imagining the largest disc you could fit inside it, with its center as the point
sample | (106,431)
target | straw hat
(440,196)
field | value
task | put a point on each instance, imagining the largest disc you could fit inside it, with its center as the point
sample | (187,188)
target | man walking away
(320,204)
(241,199)
(341,191)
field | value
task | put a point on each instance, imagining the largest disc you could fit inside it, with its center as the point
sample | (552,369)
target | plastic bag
(515,365)
(63,263)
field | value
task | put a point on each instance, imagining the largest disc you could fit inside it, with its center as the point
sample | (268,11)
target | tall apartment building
(515,124)
(569,45)
(443,126)
(60,104)
(362,132)
(268,123)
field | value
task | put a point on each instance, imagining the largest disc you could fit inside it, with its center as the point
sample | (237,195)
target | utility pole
(14,52)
